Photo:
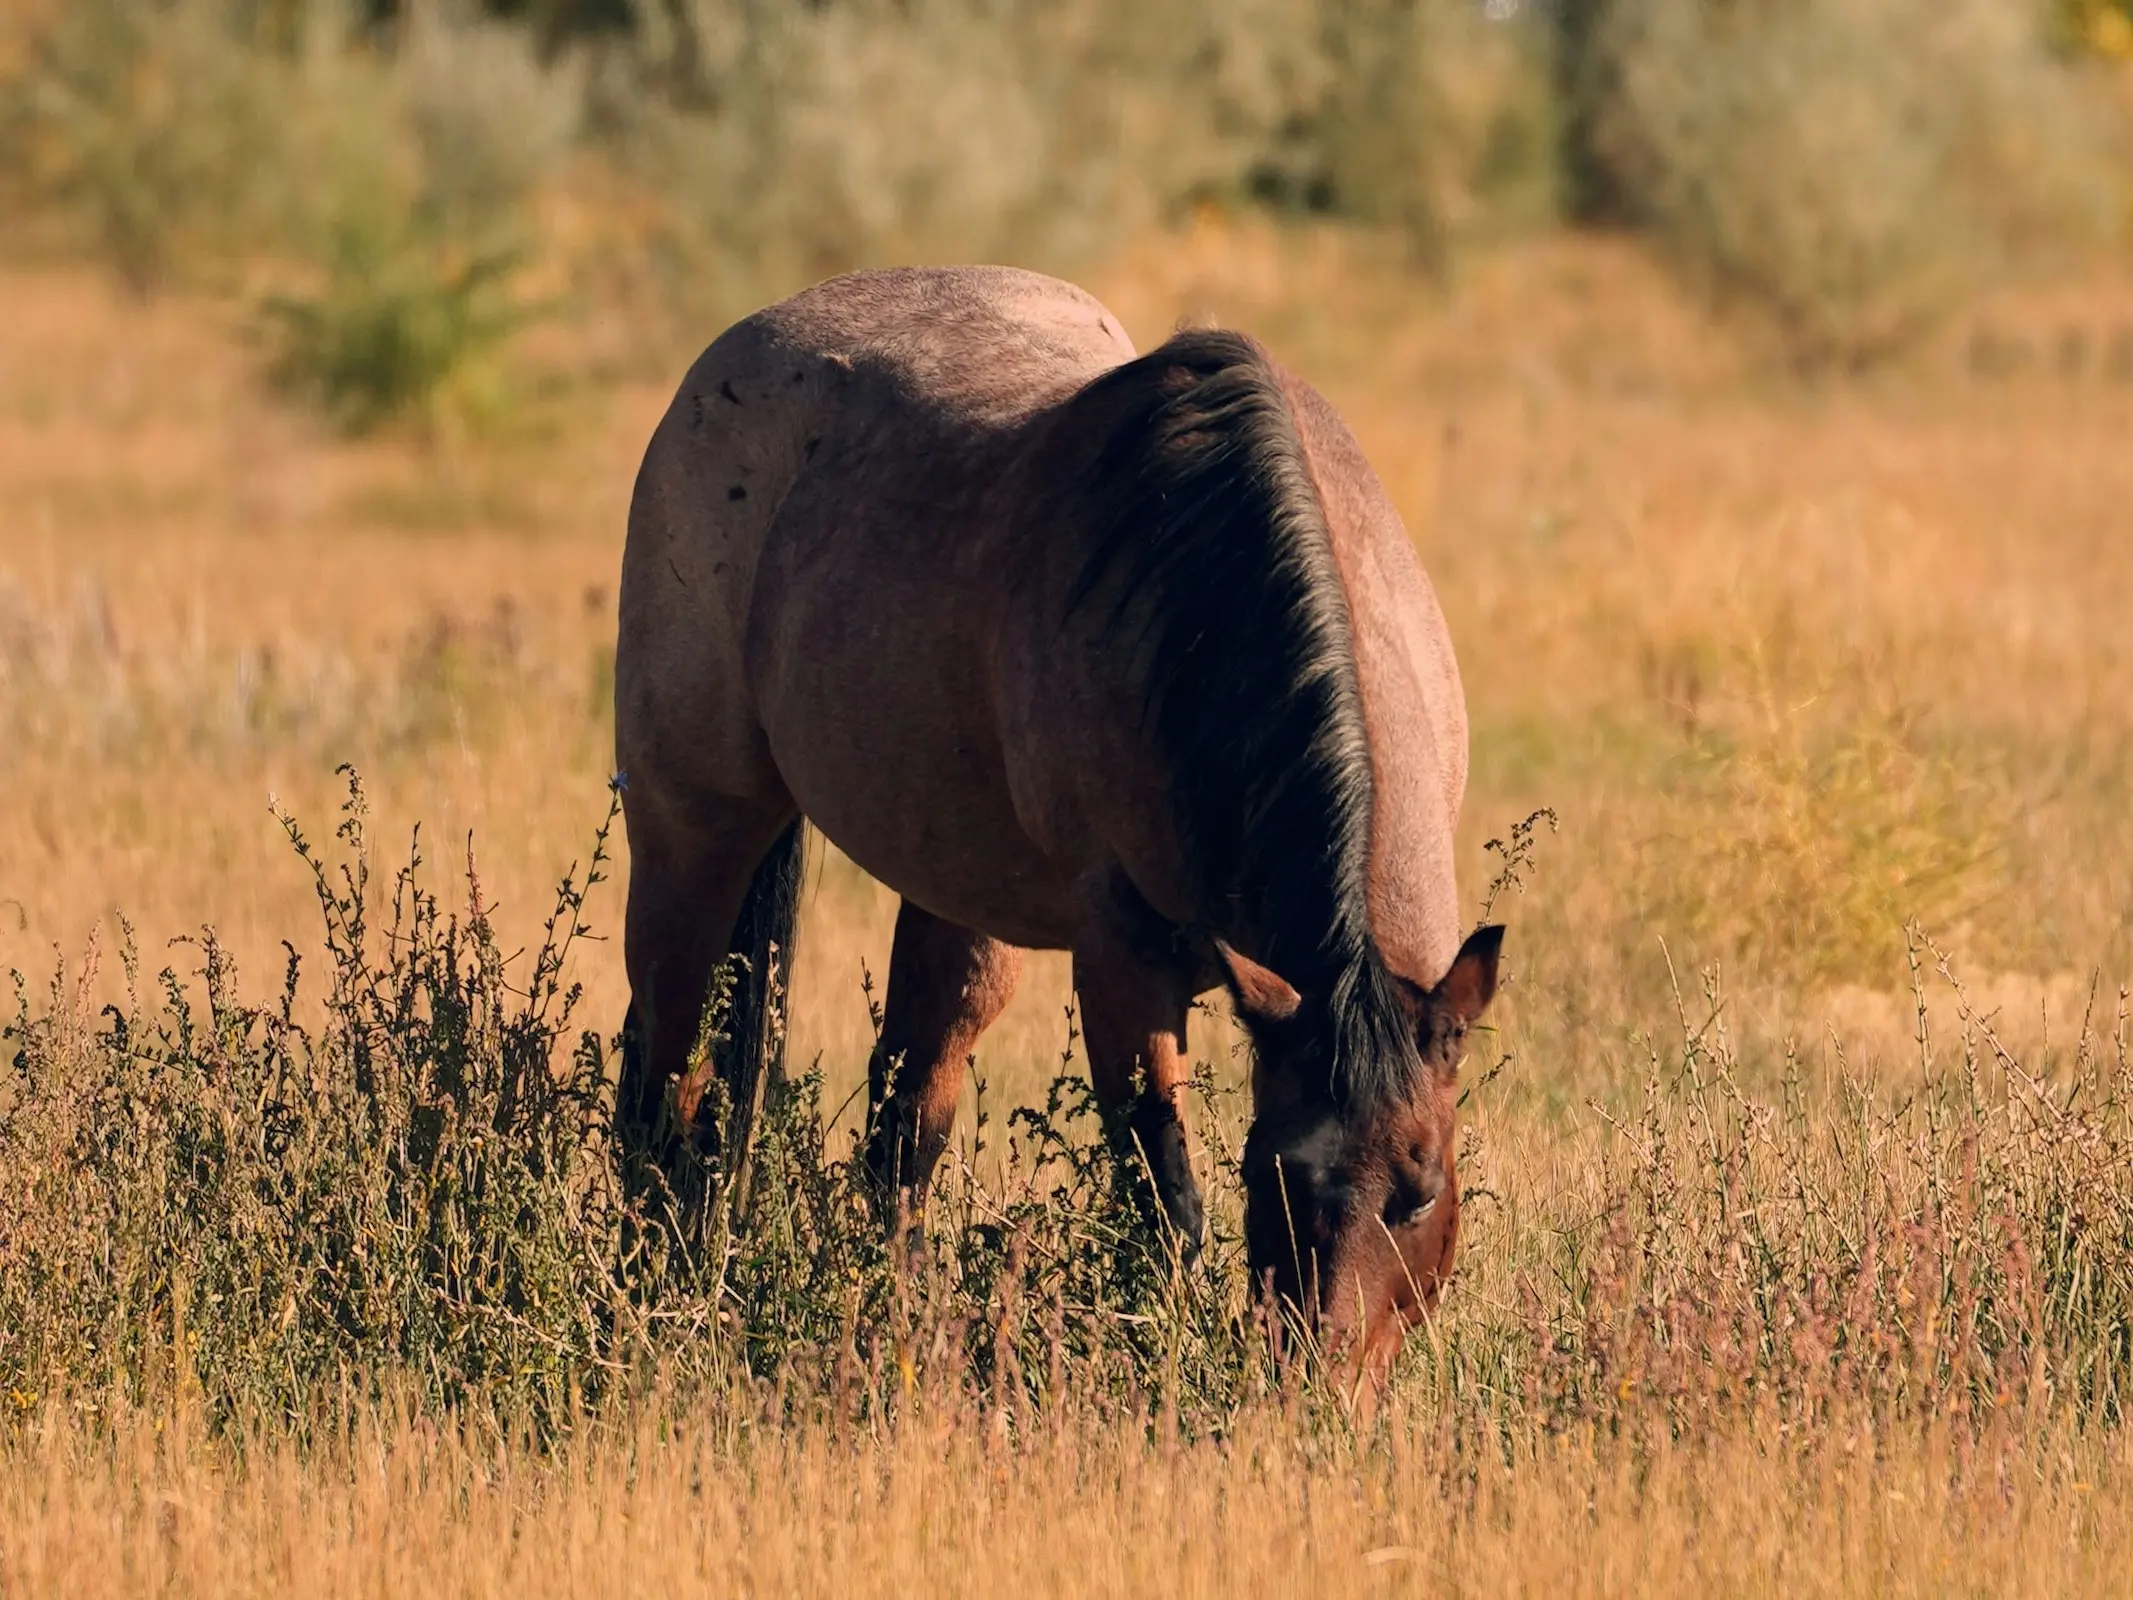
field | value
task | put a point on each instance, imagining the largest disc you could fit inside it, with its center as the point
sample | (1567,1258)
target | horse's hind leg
(1135,996)
(689,874)
(947,985)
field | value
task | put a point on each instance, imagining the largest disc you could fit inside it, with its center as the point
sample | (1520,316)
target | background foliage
(1846,167)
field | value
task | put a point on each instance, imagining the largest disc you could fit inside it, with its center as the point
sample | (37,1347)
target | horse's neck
(1414,712)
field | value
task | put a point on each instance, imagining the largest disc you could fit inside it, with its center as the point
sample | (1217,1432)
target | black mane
(1213,565)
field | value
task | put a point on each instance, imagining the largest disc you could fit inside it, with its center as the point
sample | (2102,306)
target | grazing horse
(1075,650)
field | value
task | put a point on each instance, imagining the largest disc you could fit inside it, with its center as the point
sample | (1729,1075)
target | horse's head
(1352,1210)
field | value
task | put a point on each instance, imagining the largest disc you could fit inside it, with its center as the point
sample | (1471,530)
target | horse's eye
(1412,1200)
(1416,1217)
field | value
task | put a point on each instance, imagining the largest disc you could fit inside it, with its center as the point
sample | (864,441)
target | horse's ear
(1262,995)
(1471,984)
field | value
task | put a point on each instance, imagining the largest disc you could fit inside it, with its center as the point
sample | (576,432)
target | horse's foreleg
(947,985)
(1134,1001)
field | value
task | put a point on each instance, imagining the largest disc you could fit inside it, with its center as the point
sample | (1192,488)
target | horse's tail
(764,938)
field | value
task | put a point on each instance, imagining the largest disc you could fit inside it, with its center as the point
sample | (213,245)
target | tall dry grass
(393,1506)
(1815,1278)
(348,1305)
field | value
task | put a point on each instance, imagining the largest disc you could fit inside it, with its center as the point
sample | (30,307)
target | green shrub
(486,122)
(787,143)
(1850,165)
(401,327)
(141,127)
(205,139)
(792,142)
(432,158)
(1434,119)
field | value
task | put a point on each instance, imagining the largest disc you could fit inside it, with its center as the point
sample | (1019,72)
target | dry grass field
(1797,662)
(1095,1513)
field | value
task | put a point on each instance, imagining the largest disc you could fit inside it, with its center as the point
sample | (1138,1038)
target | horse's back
(973,348)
